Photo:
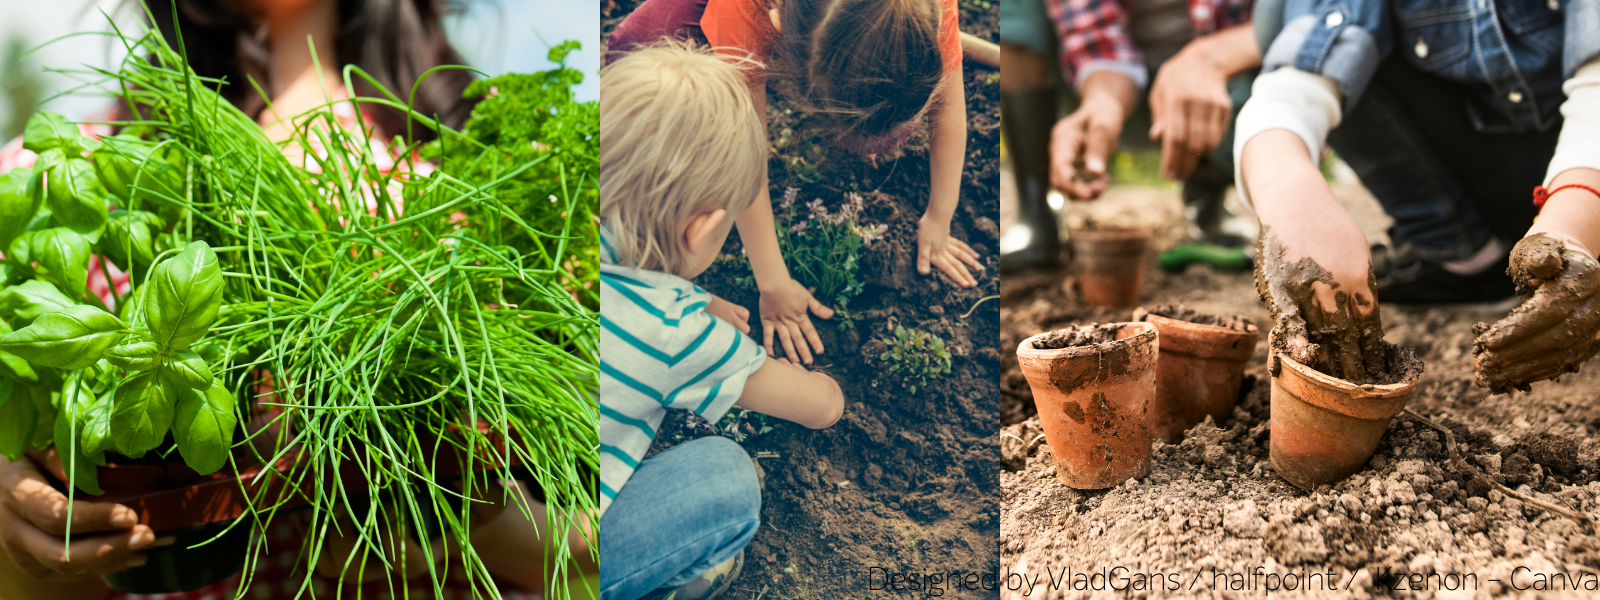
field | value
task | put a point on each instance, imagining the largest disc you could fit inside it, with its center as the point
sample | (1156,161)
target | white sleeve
(1579,145)
(1301,103)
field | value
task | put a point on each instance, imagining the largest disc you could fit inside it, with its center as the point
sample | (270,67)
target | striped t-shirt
(659,349)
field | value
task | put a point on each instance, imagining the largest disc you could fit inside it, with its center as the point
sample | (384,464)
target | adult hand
(1554,330)
(1190,110)
(1081,144)
(935,247)
(106,538)
(739,316)
(784,311)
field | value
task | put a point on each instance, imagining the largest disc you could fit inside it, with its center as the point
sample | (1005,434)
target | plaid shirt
(1094,33)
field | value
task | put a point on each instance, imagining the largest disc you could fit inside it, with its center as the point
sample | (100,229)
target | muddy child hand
(784,311)
(935,247)
(1554,330)
(1323,309)
(739,316)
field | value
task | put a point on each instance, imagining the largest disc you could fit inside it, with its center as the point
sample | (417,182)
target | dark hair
(867,66)
(394,41)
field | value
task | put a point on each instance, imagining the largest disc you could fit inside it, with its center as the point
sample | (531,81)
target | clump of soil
(1087,335)
(1212,504)
(1183,313)
(904,483)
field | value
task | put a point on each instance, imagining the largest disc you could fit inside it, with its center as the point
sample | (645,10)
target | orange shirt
(745,25)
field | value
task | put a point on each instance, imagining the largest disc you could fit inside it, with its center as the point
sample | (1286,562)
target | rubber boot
(1027,117)
(1203,194)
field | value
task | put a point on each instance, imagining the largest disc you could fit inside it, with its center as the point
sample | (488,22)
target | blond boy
(682,154)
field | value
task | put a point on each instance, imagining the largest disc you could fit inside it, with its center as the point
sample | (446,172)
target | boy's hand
(739,316)
(1554,330)
(935,247)
(33,523)
(784,310)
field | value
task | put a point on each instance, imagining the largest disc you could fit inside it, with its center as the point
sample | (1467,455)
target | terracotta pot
(1093,402)
(1324,428)
(1110,265)
(1198,373)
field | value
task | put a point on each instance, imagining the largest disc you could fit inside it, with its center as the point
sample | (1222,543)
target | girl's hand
(739,316)
(1555,329)
(106,538)
(935,247)
(784,311)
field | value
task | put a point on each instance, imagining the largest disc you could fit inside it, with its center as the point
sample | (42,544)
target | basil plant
(74,374)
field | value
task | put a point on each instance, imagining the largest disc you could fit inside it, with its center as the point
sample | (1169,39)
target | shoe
(1034,241)
(1203,195)
(708,585)
(1404,277)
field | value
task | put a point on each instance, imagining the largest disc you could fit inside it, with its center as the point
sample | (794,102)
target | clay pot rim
(1025,350)
(1382,401)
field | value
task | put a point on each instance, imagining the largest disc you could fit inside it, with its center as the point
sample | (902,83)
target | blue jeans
(684,511)
(1448,185)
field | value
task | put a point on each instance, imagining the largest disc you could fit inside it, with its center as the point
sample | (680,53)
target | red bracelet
(1540,195)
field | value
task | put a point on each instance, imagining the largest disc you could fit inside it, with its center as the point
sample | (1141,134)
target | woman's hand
(106,538)
(935,247)
(1555,329)
(739,316)
(784,311)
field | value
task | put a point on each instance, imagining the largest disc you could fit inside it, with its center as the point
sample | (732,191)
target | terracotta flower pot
(1110,264)
(1093,386)
(1199,371)
(1324,428)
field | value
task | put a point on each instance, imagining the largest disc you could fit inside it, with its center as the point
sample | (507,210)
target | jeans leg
(1383,141)
(684,511)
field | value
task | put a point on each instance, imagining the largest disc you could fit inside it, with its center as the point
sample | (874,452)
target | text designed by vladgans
(1261,581)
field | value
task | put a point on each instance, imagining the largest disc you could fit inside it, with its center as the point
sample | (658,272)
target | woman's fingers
(46,507)
(89,556)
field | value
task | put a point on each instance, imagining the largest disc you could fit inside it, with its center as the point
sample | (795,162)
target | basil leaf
(10,363)
(128,239)
(28,300)
(188,369)
(80,469)
(64,255)
(47,131)
(204,427)
(138,356)
(76,201)
(20,198)
(95,430)
(131,171)
(185,294)
(45,405)
(141,413)
(72,338)
(17,418)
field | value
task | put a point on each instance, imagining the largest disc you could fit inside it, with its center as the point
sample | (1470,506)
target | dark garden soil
(1213,503)
(904,481)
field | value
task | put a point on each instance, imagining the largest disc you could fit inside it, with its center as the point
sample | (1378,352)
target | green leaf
(20,198)
(76,201)
(130,171)
(17,418)
(188,369)
(185,294)
(64,255)
(141,413)
(72,338)
(73,457)
(204,427)
(138,356)
(29,300)
(45,406)
(14,365)
(128,239)
(95,428)
(48,131)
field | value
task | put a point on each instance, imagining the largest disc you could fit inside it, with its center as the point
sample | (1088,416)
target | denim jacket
(1513,55)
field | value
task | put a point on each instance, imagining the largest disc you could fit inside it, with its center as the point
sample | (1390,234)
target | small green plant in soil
(917,357)
(737,424)
(823,248)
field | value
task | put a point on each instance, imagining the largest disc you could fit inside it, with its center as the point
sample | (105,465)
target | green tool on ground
(1219,257)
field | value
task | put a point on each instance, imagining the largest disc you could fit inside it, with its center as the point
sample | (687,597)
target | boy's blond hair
(679,137)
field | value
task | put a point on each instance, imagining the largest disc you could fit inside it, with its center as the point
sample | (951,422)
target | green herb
(916,357)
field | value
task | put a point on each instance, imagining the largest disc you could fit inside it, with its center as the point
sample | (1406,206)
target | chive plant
(388,323)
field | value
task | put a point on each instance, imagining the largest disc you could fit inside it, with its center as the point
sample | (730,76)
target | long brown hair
(867,66)
(394,41)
